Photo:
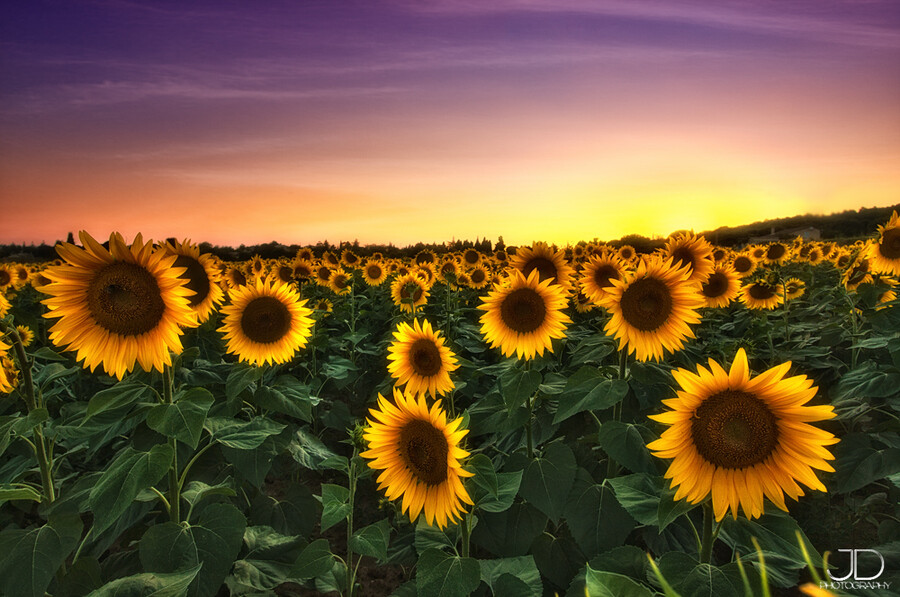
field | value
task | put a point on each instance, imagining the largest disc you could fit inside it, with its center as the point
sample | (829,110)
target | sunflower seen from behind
(120,306)
(651,310)
(419,455)
(266,322)
(409,292)
(524,315)
(419,358)
(739,438)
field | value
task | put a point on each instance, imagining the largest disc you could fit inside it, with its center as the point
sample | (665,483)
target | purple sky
(405,121)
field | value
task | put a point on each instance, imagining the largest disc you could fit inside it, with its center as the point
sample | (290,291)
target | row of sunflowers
(533,421)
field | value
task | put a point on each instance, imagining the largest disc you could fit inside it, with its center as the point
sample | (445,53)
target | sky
(405,121)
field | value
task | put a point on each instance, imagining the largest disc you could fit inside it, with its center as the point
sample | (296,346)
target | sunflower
(762,295)
(523,316)
(340,281)
(330,259)
(501,256)
(324,305)
(25,335)
(652,308)
(479,277)
(471,257)
(20,275)
(322,274)
(598,275)
(425,256)
(627,253)
(795,288)
(409,292)
(448,271)
(582,303)
(425,272)
(418,452)
(758,252)
(235,277)
(719,254)
(550,265)
(9,376)
(857,274)
(6,277)
(266,322)
(349,258)
(690,251)
(814,256)
(4,305)
(118,306)
(200,275)
(721,287)
(283,272)
(776,253)
(374,273)
(305,254)
(842,259)
(39,280)
(302,269)
(257,266)
(884,254)
(744,265)
(740,438)
(420,360)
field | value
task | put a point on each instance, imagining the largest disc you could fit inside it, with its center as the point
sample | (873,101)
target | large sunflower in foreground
(200,275)
(523,316)
(419,359)
(740,438)
(550,265)
(651,309)
(884,254)
(118,306)
(418,452)
(266,322)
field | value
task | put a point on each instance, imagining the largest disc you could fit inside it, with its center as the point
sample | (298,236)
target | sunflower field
(583,420)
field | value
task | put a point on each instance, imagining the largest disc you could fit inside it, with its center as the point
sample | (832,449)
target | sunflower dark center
(471,256)
(448,268)
(792,287)
(339,281)
(425,357)
(718,254)
(478,276)
(734,429)
(285,273)
(124,298)
(646,304)
(523,310)
(890,243)
(351,258)
(762,291)
(302,272)
(323,273)
(715,285)
(425,257)
(238,278)
(197,279)
(604,275)
(5,278)
(373,271)
(265,319)
(843,261)
(742,264)
(546,269)
(424,448)
(775,251)
(683,256)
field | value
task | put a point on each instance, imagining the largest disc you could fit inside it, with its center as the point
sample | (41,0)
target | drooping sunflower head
(419,359)
(652,308)
(200,275)
(119,306)
(419,455)
(690,251)
(795,288)
(599,273)
(550,265)
(409,292)
(741,438)
(524,315)
(859,272)
(884,253)
(721,287)
(266,322)
(762,295)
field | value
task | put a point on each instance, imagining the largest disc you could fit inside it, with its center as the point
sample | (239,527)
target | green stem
(708,538)
(174,486)
(187,468)
(785,308)
(351,572)
(33,401)
(529,442)
(465,533)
